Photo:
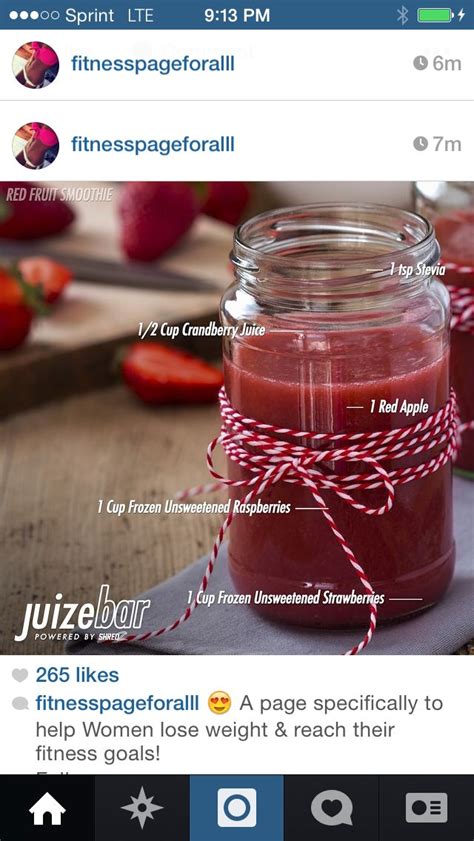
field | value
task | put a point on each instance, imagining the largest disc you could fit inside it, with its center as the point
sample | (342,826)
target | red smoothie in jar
(455,233)
(310,379)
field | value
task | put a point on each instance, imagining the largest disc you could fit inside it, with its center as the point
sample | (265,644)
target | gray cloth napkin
(239,630)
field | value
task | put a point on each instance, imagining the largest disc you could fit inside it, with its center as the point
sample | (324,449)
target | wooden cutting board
(73,348)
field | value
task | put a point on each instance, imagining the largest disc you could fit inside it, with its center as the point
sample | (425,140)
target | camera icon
(237,807)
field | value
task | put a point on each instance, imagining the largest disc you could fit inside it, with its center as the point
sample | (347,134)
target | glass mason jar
(450,207)
(344,330)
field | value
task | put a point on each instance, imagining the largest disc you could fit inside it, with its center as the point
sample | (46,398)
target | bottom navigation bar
(252,808)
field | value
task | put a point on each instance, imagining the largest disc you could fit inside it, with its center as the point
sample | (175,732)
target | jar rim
(257,243)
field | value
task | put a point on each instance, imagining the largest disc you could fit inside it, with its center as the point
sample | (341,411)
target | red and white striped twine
(462,299)
(462,312)
(462,308)
(278,454)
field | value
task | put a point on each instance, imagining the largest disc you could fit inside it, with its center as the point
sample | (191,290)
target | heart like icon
(331,807)
(19,675)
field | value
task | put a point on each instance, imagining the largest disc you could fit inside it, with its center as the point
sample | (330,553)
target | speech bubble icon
(332,808)
(20,704)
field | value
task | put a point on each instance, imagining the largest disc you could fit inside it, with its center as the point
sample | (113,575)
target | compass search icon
(142,808)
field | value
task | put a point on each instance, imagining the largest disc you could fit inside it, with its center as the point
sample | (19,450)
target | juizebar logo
(60,620)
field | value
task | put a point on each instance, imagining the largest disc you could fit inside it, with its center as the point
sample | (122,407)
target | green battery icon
(435,15)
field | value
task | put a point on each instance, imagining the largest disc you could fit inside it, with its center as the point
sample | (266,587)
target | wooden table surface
(56,462)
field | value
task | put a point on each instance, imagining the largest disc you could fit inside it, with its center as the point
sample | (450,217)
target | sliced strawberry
(159,374)
(43,272)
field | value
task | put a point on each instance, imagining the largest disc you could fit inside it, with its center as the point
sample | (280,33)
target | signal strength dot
(24,15)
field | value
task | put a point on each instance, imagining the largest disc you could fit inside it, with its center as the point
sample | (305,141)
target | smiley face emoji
(219,702)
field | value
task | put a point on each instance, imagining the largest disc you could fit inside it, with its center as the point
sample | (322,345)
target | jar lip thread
(256,241)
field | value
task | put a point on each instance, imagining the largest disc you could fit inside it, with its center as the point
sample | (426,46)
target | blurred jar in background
(450,207)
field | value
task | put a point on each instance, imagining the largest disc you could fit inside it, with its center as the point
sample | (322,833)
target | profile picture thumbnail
(35,145)
(35,65)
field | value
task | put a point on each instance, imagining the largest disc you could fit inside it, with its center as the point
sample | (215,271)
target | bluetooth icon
(402,15)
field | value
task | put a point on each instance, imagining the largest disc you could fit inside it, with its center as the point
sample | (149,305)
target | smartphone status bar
(240,14)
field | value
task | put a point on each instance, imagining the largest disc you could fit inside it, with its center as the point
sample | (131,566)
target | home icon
(47,805)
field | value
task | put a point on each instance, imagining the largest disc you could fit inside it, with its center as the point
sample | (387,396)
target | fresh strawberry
(15,324)
(27,219)
(18,302)
(159,374)
(227,200)
(50,276)
(155,215)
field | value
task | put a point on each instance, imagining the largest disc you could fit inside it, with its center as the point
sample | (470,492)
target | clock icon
(420,143)
(420,62)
